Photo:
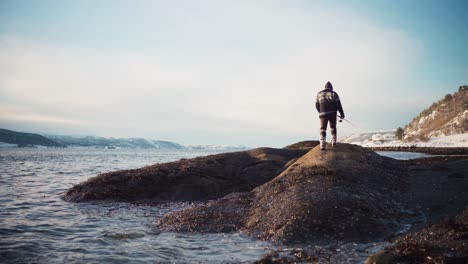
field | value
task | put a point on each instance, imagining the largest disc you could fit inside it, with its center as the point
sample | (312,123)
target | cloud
(246,69)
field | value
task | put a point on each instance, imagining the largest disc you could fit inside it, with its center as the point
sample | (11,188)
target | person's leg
(323,131)
(332,119)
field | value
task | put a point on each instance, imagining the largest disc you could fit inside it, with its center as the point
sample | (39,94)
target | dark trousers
(324,120)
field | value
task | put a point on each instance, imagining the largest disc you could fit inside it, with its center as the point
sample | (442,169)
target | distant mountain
(10,138)
(448,116)
(134,143)
(218,147)
(26,139)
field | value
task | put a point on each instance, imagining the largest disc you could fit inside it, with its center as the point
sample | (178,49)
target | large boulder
(345,193)
(199,178)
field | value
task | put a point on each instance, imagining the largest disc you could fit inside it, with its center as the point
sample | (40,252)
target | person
(327,104)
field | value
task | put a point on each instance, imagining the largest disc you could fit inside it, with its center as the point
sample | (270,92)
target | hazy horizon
(224,72)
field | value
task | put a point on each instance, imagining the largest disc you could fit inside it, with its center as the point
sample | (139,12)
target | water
(400,155)
(36,225)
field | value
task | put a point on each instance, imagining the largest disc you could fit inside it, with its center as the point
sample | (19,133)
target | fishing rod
(342,118)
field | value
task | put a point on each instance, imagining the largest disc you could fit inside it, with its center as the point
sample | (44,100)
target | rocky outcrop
(199,178)
(438,186)
(345,193)
(438,189)
(444,242)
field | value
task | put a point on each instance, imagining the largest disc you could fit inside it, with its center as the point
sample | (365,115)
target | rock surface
(438,189)
(444,242)
(307,144)
(345,193)
(194,179)
(438,186)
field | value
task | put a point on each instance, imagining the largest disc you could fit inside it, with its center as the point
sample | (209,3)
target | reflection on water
(400,155)
(36,225)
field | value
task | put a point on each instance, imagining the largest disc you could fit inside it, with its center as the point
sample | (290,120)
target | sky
(224,72)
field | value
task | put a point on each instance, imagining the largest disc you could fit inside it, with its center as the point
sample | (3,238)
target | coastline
(426,150)
(433,189)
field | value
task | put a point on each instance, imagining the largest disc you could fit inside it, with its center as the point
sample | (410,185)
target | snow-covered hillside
(388,139)
(370,138)
(443,124)
(446,117)
(135,143)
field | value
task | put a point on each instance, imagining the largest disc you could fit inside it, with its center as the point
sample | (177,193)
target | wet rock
(296,255)
(199,178)
(346,193)
(438,193)
(444,242)
(382,257)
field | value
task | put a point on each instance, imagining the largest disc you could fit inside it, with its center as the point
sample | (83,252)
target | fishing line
(362,131)
(356,127)
(341,119)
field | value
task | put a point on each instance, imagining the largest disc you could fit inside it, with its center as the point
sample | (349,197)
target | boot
(333,137)
(322,143)
(323,135)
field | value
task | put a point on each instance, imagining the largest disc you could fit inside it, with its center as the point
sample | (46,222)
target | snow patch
(423,120)
(459,118)
(379,139)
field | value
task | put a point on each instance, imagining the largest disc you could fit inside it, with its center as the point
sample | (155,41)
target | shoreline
(272,206)
(310,144)
(425,150)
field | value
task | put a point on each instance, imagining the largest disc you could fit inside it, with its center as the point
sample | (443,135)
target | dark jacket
(328,103)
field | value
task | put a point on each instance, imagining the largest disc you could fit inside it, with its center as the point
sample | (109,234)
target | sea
(38,226)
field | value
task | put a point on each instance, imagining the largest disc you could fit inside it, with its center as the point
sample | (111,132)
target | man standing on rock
(327,104)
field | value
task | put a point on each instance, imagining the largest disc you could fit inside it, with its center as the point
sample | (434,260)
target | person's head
(328,85)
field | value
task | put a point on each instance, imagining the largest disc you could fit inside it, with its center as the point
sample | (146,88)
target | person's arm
(317,104)
(339,107)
